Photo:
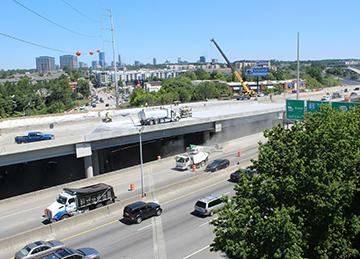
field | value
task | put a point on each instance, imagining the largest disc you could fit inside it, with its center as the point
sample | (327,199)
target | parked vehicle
(192,157)
(357,89)
(207,205)
(39,249)
(235,176)
(70,253)
(217,164)
(243,97)
(93,104)
(79,200)
(33,137)
(163,115)
(138,211)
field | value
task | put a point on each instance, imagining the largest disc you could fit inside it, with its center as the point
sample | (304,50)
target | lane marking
(196,252)
(207,222)
(144,227)
(89,230)
(157,229)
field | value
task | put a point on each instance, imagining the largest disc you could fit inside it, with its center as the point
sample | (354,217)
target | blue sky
(168,29)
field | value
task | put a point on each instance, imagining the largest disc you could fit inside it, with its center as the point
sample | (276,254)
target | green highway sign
(295,109)
(314,106)
(343,106)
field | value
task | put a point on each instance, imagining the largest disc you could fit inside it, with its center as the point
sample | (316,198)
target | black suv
(138,211)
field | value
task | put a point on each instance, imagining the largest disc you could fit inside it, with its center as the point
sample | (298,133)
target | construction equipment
(237,74)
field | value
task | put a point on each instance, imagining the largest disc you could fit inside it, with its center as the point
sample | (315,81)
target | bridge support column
(95,161)
(206,136)
(88,166)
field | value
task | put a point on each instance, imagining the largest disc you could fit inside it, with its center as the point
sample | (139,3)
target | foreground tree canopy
(305,201)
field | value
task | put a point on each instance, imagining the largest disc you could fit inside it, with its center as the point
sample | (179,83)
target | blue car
(33,137)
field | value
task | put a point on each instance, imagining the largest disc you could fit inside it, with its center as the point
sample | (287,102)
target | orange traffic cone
(193,168)
(238,153)
(132,187)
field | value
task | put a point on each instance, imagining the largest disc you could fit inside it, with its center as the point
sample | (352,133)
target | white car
(326,98)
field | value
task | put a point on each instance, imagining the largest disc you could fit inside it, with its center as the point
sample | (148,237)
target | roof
(209,198)
(136,205)
(88,189)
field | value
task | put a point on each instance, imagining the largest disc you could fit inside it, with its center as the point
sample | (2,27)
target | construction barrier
(132,187)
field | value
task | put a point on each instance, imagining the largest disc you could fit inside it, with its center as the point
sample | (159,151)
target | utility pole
(114,58)
(298,69)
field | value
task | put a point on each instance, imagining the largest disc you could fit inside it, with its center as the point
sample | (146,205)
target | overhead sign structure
(343,106)
(314,106)
(262,63)
(257,71)
(295,109)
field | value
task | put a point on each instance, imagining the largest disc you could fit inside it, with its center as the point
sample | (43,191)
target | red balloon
(78,53)
(91,53)
(98,51)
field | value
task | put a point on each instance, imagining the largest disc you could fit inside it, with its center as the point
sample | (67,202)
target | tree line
(48,96)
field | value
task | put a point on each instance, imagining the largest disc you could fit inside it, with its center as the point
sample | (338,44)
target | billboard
(262,63)
(257,71)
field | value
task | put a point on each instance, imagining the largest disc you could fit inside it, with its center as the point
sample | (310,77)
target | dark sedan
(217,164)
(235,176)
(138,211)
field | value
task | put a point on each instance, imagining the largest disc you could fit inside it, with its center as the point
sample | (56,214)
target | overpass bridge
(91,147)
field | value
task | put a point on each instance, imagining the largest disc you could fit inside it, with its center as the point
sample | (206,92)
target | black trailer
(93,196)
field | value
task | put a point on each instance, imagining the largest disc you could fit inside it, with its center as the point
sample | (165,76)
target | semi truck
(78,200)
(190,158)
(163,115)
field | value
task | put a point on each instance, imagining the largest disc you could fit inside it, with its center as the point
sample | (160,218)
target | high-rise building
(83,65)
(94,64)
(45,64)
(102,59)
(179,60)
(214,61)
(202,59)
(68,61)
(154,61)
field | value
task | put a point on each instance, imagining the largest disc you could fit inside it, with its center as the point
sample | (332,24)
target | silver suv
(208,204)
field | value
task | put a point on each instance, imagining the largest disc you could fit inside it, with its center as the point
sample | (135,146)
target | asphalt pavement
(25,212)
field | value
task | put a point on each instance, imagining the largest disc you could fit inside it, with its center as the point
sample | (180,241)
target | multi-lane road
(24,212)
(177,233)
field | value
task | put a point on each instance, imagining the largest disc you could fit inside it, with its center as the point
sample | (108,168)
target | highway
(24,212)
(177,233)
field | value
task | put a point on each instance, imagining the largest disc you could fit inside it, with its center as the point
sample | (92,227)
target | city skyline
(246,31)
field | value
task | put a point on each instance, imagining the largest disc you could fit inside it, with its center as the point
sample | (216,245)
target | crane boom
(236,73)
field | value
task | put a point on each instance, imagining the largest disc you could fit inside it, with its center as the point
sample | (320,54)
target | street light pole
(140,129)
(298,69)
(114,58)
(141,164)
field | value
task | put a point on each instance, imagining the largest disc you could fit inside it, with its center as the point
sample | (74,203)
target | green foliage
(189,74)
(83,87)
(201,74)
(305,201)
(179,89)
(48,96)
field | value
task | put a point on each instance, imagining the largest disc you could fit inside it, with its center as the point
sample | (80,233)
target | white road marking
(157,230)
(144,227)
(196,252)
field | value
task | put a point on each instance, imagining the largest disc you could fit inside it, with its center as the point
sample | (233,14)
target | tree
(305,201)
(201,74)
(83,87)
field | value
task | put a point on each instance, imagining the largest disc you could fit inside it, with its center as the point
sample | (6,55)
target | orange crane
(237,74)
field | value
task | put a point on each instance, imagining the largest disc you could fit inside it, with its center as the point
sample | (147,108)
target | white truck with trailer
(191,157)
(79,200)
(163,115)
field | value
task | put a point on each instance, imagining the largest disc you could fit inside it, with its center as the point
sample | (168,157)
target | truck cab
(63,207)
